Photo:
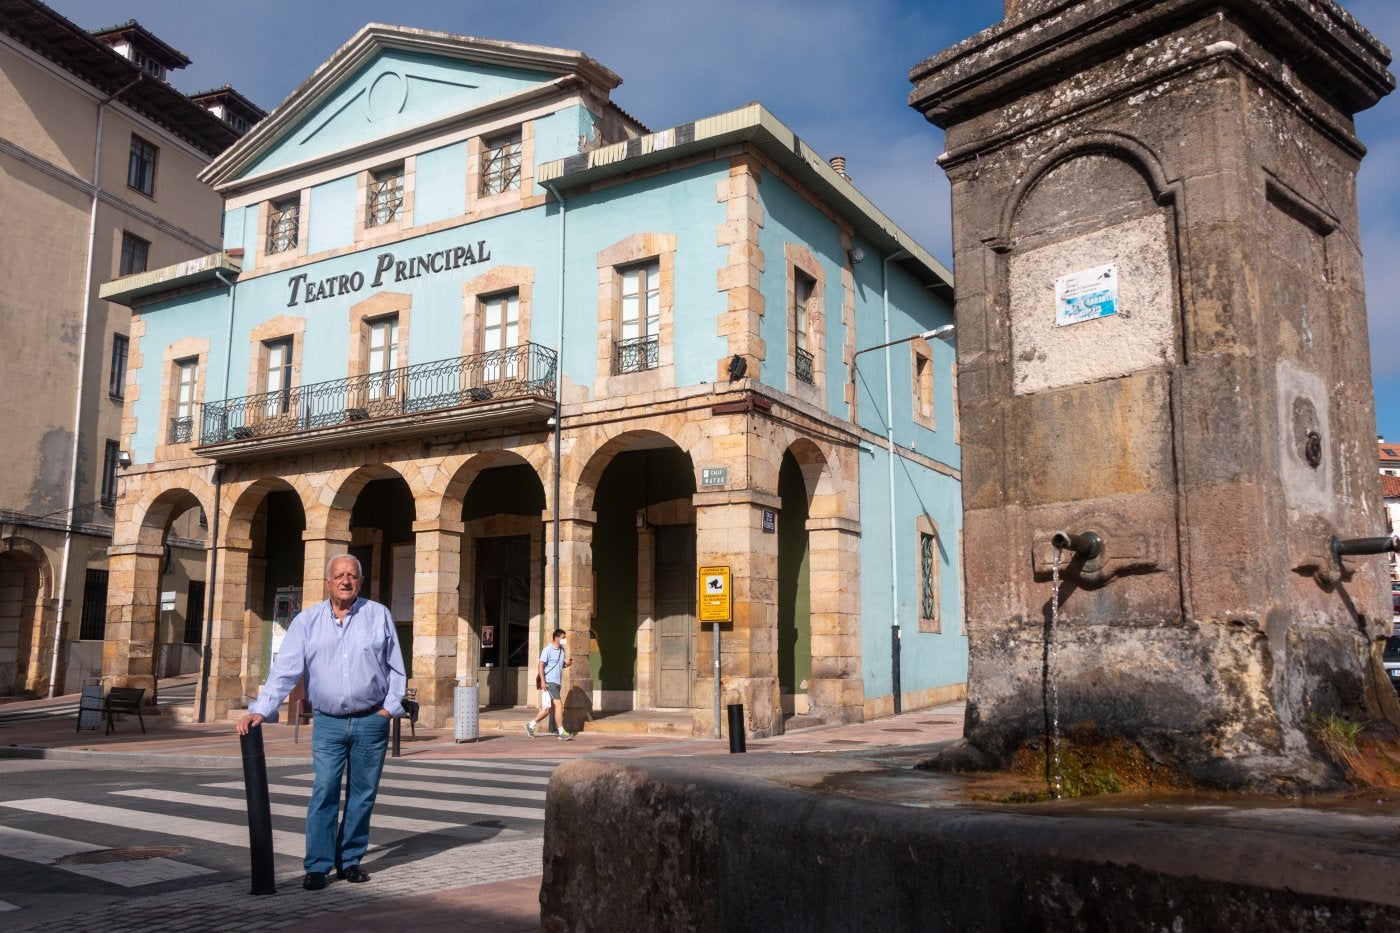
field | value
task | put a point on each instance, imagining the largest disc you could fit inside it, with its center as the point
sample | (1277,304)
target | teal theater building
(537,365)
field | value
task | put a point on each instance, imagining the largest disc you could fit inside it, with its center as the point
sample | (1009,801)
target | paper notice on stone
(1086,295)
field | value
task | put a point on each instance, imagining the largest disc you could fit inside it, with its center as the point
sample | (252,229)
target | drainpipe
(207,650)
(82,382)
(558,399)
(889,444)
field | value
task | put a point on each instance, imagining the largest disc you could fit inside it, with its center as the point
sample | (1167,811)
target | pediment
(386,82)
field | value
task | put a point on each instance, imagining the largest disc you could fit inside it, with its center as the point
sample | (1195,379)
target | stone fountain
(1167,424)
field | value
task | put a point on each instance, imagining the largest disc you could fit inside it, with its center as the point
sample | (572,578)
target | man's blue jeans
(352,746)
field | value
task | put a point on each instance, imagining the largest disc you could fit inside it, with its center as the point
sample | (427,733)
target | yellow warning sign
(716,600)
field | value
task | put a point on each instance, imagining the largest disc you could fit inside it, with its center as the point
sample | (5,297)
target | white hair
(359,570)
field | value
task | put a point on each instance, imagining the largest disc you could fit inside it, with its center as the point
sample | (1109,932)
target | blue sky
(835,72)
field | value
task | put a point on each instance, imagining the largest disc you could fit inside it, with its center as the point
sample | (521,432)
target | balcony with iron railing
(636,354)
(511,386)
(802,365)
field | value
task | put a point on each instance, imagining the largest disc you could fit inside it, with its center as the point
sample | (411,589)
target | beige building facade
(99,158)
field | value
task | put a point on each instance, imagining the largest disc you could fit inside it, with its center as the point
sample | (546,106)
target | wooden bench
(124,700)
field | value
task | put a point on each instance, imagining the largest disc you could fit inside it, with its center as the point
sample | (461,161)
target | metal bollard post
(736,728)
(395,727)
(259,812)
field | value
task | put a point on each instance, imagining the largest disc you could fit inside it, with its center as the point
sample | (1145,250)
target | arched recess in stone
(628,571)
(498,622)
(260,585)
(26,585)
(168,561)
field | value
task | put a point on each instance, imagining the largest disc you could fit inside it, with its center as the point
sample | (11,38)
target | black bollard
(395,752)
(259,812)
(736,728)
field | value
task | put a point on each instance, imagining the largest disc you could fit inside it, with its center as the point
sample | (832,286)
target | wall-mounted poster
(488,636)
(1086,295)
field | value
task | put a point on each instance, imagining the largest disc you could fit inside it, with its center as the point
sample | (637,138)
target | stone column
(729,532)
(437,569)
(575,569)
(133,601)
(836,692)
(227,633)
(1184,172)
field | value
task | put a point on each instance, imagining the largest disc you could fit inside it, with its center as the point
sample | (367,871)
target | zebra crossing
(153,839)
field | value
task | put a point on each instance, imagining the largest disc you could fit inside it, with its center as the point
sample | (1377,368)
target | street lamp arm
(945,332)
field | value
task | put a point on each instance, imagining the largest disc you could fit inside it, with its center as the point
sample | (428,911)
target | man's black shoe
(314,880)
(354,874)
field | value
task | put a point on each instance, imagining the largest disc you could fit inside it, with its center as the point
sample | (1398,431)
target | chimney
(839,164)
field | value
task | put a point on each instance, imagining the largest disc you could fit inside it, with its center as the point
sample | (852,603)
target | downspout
(207,650)
(558,401)
(82,382)
(889,442)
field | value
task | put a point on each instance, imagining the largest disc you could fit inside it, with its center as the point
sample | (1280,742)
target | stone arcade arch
(26,616)
(136,571)
(261,551)
(643,644)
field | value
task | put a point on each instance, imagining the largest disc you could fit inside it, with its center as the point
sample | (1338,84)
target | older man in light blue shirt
(348,650)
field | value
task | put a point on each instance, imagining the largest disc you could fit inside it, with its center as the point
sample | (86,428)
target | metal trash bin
(466,714)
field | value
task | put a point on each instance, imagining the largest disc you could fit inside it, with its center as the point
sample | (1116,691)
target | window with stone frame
(135,255)
(639,317)
(283,224)
(384,196)
(500,164)
(185,380)
(804,288)
(500,335)
(922,359)
(141,166)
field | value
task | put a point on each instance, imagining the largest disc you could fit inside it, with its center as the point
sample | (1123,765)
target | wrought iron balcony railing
(181,430)
(635,354)
(515,372)
(803,366)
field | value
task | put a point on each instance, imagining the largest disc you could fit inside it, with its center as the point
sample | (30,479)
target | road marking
(478,763)
(439,804)
(473,776)
(44,849)
(439,787)
(404,823)
(220,833)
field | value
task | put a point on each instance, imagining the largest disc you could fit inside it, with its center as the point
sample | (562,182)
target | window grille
(94,623)
(635,355)
(803,366)
(928,577)
(116,384)
(282,224)
(384,203)
(500,165)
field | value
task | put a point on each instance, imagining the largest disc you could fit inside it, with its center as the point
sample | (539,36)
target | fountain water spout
(1337,548)
(1087,545)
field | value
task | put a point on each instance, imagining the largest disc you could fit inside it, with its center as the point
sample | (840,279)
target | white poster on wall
(1086,295)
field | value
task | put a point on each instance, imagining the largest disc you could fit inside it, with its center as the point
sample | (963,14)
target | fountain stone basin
(867,841)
